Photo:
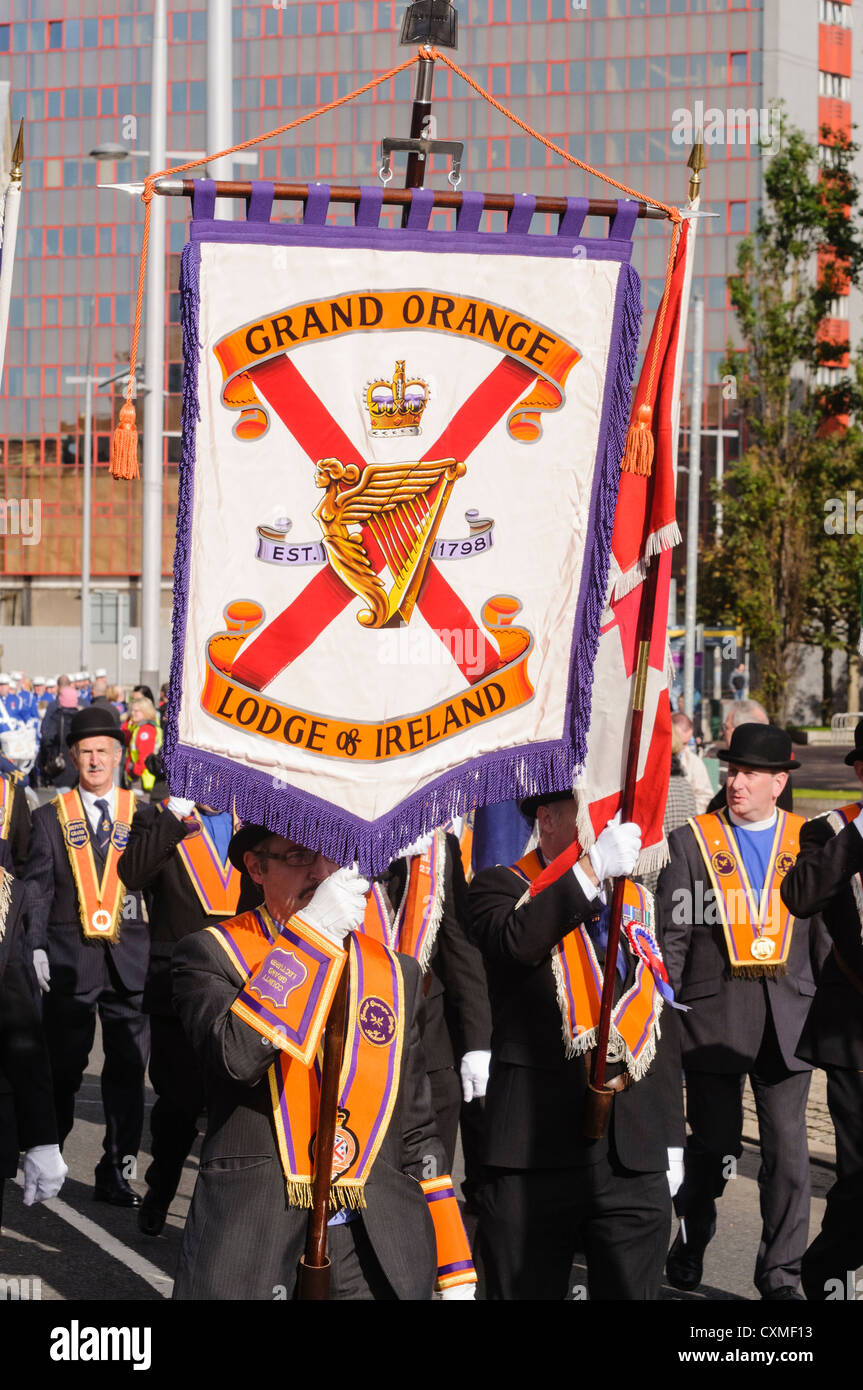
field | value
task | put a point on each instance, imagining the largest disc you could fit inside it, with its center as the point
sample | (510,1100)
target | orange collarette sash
(274,962)
(578,979)
(414,928)
(216,883)
(757,931)
(99,900)
(837,820)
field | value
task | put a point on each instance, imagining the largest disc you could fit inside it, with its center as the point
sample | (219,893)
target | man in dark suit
(243,1238)
(746,971)
(179,856)
(90,947)
(456,1029)
(827,879)
(27,1121)
(548,1191)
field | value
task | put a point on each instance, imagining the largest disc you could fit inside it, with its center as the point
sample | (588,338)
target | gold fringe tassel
(342,1194)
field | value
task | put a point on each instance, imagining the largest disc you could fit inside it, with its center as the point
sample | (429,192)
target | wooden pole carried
(313,1279)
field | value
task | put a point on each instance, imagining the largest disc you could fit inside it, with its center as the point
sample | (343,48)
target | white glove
(416,846)
(675,1170)
(615,851)
(338,905)
(459,1293)
(44,1171)
(180,806)
(43,970)
(474,1074)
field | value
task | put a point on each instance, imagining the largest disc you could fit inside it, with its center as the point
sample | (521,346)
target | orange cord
(124,462)
(639,445)
(638,453)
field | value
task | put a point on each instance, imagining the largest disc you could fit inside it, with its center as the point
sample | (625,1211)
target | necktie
(103,829)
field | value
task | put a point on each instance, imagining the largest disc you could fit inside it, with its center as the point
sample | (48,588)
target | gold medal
(762,948)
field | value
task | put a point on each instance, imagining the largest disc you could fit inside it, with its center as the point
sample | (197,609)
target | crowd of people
(213,950)
(36,713)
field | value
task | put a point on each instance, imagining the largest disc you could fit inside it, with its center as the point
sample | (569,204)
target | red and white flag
(644,527)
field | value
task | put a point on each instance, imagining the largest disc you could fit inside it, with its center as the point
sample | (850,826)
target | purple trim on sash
(355,1046)
(387,1093)
(504,775)
(456,1268)
(442,1196)
(224,877)
(283,1111)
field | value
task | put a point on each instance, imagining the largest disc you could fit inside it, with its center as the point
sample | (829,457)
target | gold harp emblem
(402,505)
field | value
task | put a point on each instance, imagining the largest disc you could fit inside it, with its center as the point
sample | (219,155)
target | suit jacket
(150,863)
(725,1027)
(26,1095)
(78,966)
(535,1099)
(237,1183)
(821,882)
(13,850)
(457,1011)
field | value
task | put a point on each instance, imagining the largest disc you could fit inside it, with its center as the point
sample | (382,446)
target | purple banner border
(508,774)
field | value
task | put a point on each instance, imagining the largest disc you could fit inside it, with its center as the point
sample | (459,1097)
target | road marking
(150,1273)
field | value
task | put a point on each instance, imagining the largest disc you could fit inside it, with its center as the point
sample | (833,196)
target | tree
(770,570)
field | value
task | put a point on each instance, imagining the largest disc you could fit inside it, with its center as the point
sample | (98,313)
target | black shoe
(685,1261)
(151,1217)
(783,1295)
(113,1188)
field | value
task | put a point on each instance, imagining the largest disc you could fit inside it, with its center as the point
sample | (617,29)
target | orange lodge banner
(401,457)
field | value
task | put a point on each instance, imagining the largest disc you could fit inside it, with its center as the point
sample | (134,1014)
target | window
(737,217)
(70,241)
(52,241)
(832,84)
(833,12)
(738,67)
(838,307)
(55,33)
(55,104)
(5,30)
(107,33)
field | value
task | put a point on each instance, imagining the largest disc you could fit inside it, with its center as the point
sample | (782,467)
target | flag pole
(11,209)
(599,1093)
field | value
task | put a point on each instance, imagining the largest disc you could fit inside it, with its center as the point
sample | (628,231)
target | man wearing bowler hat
(827,879)
(90,946)
(745,967)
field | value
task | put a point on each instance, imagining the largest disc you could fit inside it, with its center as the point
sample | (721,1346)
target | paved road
(80,1249)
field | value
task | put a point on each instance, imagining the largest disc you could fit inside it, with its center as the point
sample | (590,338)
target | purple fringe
(615,425)
(506,775)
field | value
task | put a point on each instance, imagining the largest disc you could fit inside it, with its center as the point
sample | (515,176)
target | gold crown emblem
(396,407)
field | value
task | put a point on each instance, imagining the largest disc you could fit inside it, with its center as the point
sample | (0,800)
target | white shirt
(91,810)
(752,824)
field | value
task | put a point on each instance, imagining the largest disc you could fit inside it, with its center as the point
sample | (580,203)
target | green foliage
(776,570)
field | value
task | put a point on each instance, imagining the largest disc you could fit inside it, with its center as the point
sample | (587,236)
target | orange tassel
(124,445)
(638,453)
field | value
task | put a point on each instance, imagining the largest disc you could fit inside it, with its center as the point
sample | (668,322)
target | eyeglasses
(295,858)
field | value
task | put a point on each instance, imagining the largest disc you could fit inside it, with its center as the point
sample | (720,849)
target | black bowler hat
(531,804)
(856,754)
(96,721)
(247,837)
(760,746)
